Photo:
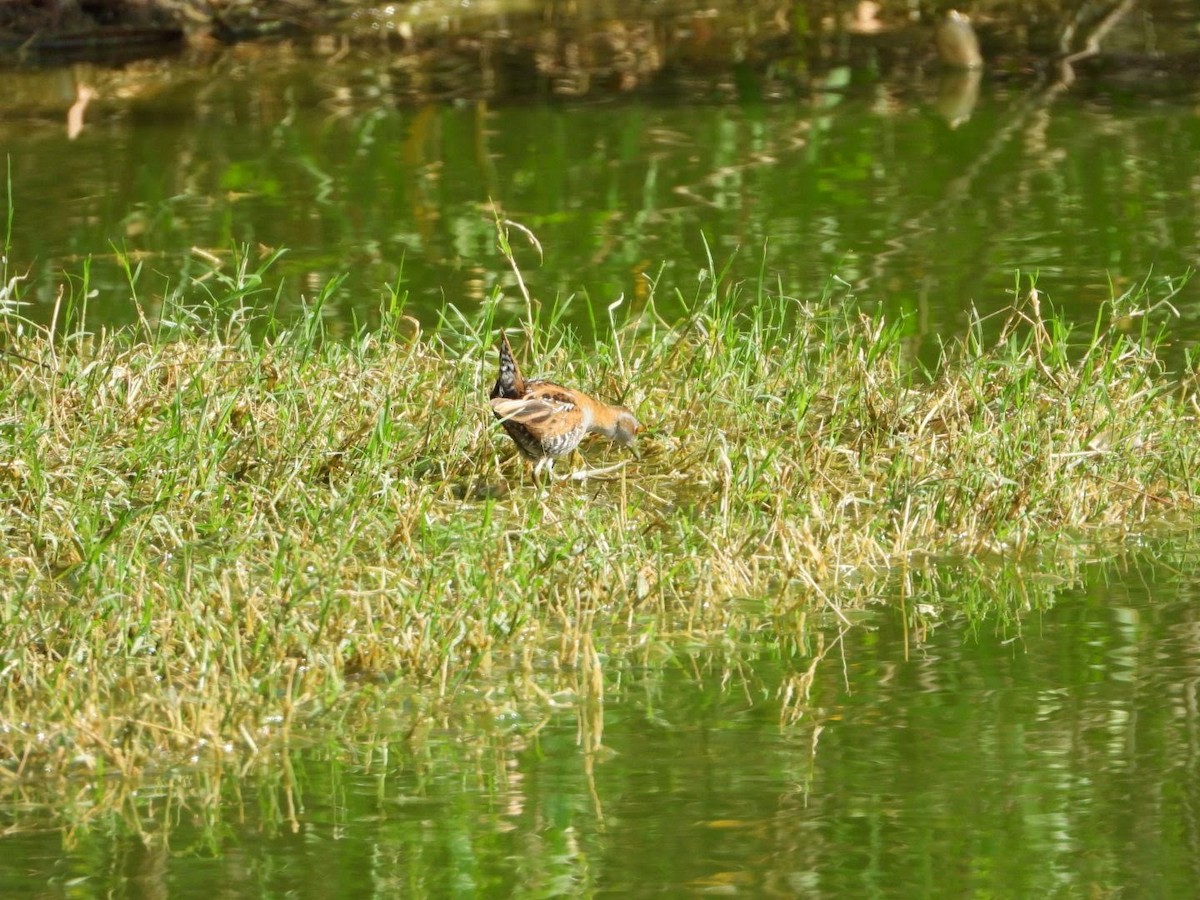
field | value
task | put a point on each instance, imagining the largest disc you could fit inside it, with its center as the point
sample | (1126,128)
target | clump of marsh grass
(219,530)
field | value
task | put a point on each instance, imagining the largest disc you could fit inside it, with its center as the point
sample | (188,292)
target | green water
(1055,753)
(849,175)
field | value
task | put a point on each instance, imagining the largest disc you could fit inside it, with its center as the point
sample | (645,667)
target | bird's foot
(585,474)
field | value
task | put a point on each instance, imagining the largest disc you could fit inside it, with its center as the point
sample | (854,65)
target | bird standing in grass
(547,420)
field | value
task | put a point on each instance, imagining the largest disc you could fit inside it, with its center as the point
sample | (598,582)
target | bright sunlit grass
(216,528)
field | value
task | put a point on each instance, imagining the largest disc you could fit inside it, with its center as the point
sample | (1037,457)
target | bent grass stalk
(214,539)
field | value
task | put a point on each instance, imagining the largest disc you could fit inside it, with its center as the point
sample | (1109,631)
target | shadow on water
(927,750)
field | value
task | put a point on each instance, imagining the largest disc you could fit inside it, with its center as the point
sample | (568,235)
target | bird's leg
(545,464)
(585,474)
(544,467)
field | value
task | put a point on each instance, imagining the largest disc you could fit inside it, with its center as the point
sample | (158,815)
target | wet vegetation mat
(219,529)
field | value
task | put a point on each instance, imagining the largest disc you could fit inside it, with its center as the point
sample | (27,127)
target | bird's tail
(509,382)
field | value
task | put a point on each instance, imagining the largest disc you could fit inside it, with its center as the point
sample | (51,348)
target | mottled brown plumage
(547,420)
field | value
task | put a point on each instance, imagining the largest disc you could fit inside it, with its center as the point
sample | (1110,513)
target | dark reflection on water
(1054,755)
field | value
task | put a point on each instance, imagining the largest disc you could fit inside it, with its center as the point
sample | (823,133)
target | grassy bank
(216,530)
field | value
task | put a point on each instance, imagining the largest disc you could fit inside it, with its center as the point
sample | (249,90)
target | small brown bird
(547,420)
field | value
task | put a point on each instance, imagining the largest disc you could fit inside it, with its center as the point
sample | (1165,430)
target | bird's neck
(602,418)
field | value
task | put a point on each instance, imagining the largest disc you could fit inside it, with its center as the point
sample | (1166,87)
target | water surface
(925,192)
(1055,752)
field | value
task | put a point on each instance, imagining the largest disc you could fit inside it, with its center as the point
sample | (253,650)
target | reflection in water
(837,171)
(958,92)
(933,751)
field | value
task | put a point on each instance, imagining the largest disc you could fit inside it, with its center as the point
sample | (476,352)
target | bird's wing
(546,414)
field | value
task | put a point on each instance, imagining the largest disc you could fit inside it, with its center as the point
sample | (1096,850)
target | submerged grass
(216,531)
